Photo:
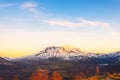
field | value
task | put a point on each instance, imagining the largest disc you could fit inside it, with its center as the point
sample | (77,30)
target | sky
(28,26)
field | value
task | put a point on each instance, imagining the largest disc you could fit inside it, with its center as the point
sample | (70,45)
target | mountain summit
(73,54)
(59,52)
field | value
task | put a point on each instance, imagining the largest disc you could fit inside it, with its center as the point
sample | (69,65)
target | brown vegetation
(80,76)
(43,75)
(39,75)
(1,78)
(56,76)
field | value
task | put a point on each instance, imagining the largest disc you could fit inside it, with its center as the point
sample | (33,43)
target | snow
(71,54)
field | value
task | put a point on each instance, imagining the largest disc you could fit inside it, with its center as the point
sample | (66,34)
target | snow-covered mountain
(58,52)
(112,55)
(4,61)
(70,54)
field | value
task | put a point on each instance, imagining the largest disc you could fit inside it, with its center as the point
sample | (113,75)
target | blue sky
(91,25)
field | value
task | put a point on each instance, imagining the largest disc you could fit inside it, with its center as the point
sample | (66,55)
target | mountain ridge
(73,54)
(70,55)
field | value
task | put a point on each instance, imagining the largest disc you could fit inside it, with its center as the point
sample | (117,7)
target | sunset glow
(33,25)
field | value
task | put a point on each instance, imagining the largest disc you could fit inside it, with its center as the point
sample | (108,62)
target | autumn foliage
(41,74)
(1,78)
(80,76)
(56,76)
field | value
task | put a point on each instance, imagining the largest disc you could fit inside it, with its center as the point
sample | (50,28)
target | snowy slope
(60,52)
(71,54)
(4,61)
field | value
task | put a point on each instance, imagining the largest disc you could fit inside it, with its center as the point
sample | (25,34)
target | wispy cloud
(79,23)
(30,6)
(5,5)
